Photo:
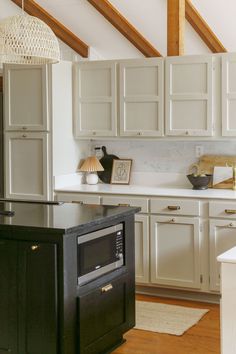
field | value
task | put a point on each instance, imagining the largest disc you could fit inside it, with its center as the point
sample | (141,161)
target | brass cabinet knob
(231,224)
(187,133)
(24,128)
(34,247)
(24,136)
(139,133)
(172,220)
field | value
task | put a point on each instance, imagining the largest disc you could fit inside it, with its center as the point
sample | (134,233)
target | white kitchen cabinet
(38,104)
(142,249)
(26,97)
(228,94)
(26,165)
(175,251)
(78,198)
(95,91)
(141,97)
(222,238)
(189,96)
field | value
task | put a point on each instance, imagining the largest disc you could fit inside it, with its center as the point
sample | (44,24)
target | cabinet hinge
(201,278)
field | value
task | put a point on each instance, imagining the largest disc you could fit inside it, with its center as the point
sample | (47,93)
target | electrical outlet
(199,150)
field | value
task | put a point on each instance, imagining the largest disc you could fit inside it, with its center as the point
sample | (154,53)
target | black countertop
(66,217)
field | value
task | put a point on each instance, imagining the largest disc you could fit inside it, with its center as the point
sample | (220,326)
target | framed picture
(121,171)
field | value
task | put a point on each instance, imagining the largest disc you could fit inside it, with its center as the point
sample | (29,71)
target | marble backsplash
(164,156)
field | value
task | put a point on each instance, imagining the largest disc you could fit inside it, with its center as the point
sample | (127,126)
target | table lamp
(91,165)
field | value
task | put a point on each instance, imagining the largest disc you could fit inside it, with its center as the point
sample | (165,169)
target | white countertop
(150,191)
(228,256)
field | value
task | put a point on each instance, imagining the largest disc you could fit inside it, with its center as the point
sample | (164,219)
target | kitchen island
(43,309)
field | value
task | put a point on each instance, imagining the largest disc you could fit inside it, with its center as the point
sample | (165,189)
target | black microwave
(100,252)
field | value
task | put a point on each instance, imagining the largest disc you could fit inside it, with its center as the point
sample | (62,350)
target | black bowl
(200,182)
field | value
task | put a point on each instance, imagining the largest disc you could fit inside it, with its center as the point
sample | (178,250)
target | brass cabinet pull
(34,247)
(122,204)
(230,211)
(107,288)
(173,207)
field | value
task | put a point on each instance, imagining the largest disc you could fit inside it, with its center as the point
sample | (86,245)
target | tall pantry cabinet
(30,110)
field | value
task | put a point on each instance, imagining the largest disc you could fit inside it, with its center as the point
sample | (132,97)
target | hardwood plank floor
(204,338)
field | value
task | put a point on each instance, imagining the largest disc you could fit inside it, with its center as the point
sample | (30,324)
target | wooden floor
(204,338)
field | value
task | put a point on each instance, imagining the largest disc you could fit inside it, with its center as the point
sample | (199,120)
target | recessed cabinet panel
(38,313)
(231,115)
(96,116)
(189,78)
(175,251)
(142,249)
(222,238)
(189,96)
(25,90)
(90,77)
(95,99)
(228,94)
(182,110)
(141,81)
(141,97)
(135,113)
(26,165)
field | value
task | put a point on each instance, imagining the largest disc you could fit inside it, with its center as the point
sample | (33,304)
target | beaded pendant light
(25,39)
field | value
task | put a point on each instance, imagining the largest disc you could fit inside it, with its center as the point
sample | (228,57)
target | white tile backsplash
(164,156)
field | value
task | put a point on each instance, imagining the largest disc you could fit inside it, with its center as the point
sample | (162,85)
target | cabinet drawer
(102,313)
(222,210)
(124,200)
(80,198)
(175,206)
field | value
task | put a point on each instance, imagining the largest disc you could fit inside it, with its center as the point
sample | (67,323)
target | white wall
(149,17)
(67,152)
(164,156)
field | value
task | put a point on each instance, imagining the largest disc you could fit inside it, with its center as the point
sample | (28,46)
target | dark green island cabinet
(43,309)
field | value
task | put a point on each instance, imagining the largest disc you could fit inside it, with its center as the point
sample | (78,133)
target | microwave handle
(100,233)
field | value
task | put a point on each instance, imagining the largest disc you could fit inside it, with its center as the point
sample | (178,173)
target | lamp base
(92,178)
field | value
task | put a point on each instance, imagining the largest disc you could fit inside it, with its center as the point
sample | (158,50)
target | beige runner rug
(163,318)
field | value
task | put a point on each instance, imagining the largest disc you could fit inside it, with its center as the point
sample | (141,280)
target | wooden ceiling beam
(202,28)
(175,27)
(33,9)
(124,26)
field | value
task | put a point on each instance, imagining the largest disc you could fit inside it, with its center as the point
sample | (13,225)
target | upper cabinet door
(228,94)
(141,97)
(95,99)
(189,96)
(26,96)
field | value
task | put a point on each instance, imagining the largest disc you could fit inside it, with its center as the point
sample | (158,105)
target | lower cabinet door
(175,251)
(8,297)
(141,248)
(222,238)
(38,298)
(104,314)
(27,166)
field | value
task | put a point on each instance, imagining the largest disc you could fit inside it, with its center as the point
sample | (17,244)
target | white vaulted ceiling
(148,16)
